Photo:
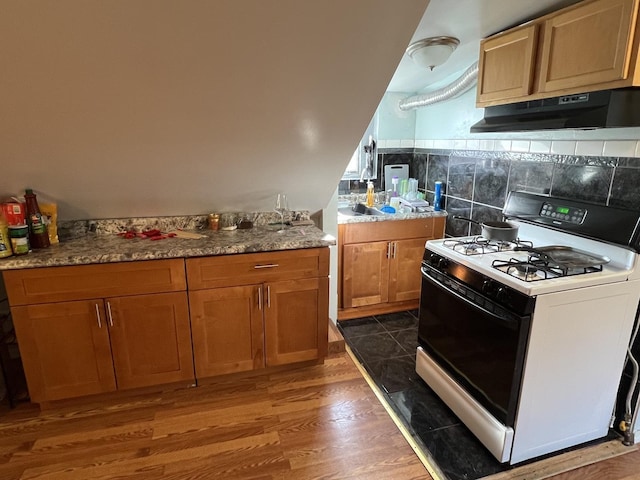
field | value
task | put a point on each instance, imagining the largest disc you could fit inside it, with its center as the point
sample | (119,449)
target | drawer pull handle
(269,265)
(110,315)
(259,298)
(268,296)
(98,315)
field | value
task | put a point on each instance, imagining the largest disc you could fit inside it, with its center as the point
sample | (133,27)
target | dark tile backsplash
(476,183)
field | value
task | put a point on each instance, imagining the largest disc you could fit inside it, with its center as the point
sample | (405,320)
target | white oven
(526,341)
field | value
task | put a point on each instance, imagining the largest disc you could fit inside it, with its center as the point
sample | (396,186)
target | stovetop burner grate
(534,269)
(479,245)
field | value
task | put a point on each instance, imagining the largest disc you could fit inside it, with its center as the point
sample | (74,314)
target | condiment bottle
(5,243)
(38,236)
(370,194)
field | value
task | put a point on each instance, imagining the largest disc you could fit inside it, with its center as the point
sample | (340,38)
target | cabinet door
(365,274)
(65,349)
(506,65)
(296,320)
(587,45)
(227,329)
(405,278)
(150,339)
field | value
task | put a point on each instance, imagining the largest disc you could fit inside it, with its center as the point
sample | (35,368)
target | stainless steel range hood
(602,109)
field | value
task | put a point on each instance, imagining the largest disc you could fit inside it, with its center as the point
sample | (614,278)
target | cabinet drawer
(57,284)
(249,268)
(390,230)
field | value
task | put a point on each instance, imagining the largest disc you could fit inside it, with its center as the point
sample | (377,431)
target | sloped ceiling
(158,107)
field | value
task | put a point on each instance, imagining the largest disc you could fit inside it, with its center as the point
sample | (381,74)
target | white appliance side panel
(574,363)
(493,434)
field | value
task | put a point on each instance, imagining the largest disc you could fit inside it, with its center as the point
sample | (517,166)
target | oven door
(477,342)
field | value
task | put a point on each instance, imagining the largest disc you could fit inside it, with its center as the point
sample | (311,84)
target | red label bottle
(38,235)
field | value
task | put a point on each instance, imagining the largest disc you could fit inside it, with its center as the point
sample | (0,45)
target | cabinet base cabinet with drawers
(379,265)
(94,329)
(266,310)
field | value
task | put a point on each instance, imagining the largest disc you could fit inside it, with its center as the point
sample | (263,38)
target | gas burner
(479,245)
(534,269)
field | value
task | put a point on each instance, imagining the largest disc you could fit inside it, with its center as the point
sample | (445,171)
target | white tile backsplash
(486,145)
(473,144)
(540,146)
(563,147)
(502,145)
(520,145)
(589,147)
(619,148)
(608,148)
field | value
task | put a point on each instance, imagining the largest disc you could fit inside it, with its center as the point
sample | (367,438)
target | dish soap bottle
(38,235)
(370,194)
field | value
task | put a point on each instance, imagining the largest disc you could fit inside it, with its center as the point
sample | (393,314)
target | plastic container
(437,197)
(5,242)
(19,236)
(394,187)
(38,235)
(370,195)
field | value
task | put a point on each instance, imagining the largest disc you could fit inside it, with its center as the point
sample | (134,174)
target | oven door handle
(437,283)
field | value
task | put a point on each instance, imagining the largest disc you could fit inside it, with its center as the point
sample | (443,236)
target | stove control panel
(480,289)
(563,213)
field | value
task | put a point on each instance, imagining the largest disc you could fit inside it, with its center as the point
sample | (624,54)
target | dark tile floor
(386,346)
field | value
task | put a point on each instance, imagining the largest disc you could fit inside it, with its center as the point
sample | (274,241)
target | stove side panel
(574,363)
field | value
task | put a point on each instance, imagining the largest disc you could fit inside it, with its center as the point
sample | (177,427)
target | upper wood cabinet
(590,46)
(506,64)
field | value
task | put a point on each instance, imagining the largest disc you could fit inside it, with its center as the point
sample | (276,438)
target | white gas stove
(525,341)
(494,258)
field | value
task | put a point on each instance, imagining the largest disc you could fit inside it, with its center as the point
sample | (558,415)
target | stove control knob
(433,259)
(502,295)
(488,287)
(443,263)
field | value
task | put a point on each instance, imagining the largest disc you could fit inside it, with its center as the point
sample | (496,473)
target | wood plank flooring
(318,422)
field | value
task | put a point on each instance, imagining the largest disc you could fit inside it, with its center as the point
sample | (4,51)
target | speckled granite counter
(342,219)
(107,246)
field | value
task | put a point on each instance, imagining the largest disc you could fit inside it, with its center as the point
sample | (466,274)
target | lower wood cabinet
(72,349)
(379,264)
(92,329)
(274,310)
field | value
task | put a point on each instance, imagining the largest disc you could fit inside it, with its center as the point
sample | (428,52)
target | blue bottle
(437,197)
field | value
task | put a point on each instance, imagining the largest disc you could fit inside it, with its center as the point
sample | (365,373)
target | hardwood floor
(319,422)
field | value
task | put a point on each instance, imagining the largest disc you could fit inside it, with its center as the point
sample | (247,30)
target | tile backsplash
(476,181)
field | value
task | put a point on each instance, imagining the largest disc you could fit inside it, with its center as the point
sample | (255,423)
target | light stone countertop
(346,219)
(91,248)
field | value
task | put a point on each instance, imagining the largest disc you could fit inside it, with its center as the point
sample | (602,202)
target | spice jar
(214,221)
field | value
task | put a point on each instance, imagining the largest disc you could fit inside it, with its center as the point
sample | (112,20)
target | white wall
(160,107)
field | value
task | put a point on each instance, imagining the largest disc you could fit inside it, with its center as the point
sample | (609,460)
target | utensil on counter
(494,230)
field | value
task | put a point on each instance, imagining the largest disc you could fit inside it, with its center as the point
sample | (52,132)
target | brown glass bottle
(38,235)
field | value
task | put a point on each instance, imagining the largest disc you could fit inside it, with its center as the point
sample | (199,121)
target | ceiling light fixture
(433,51)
